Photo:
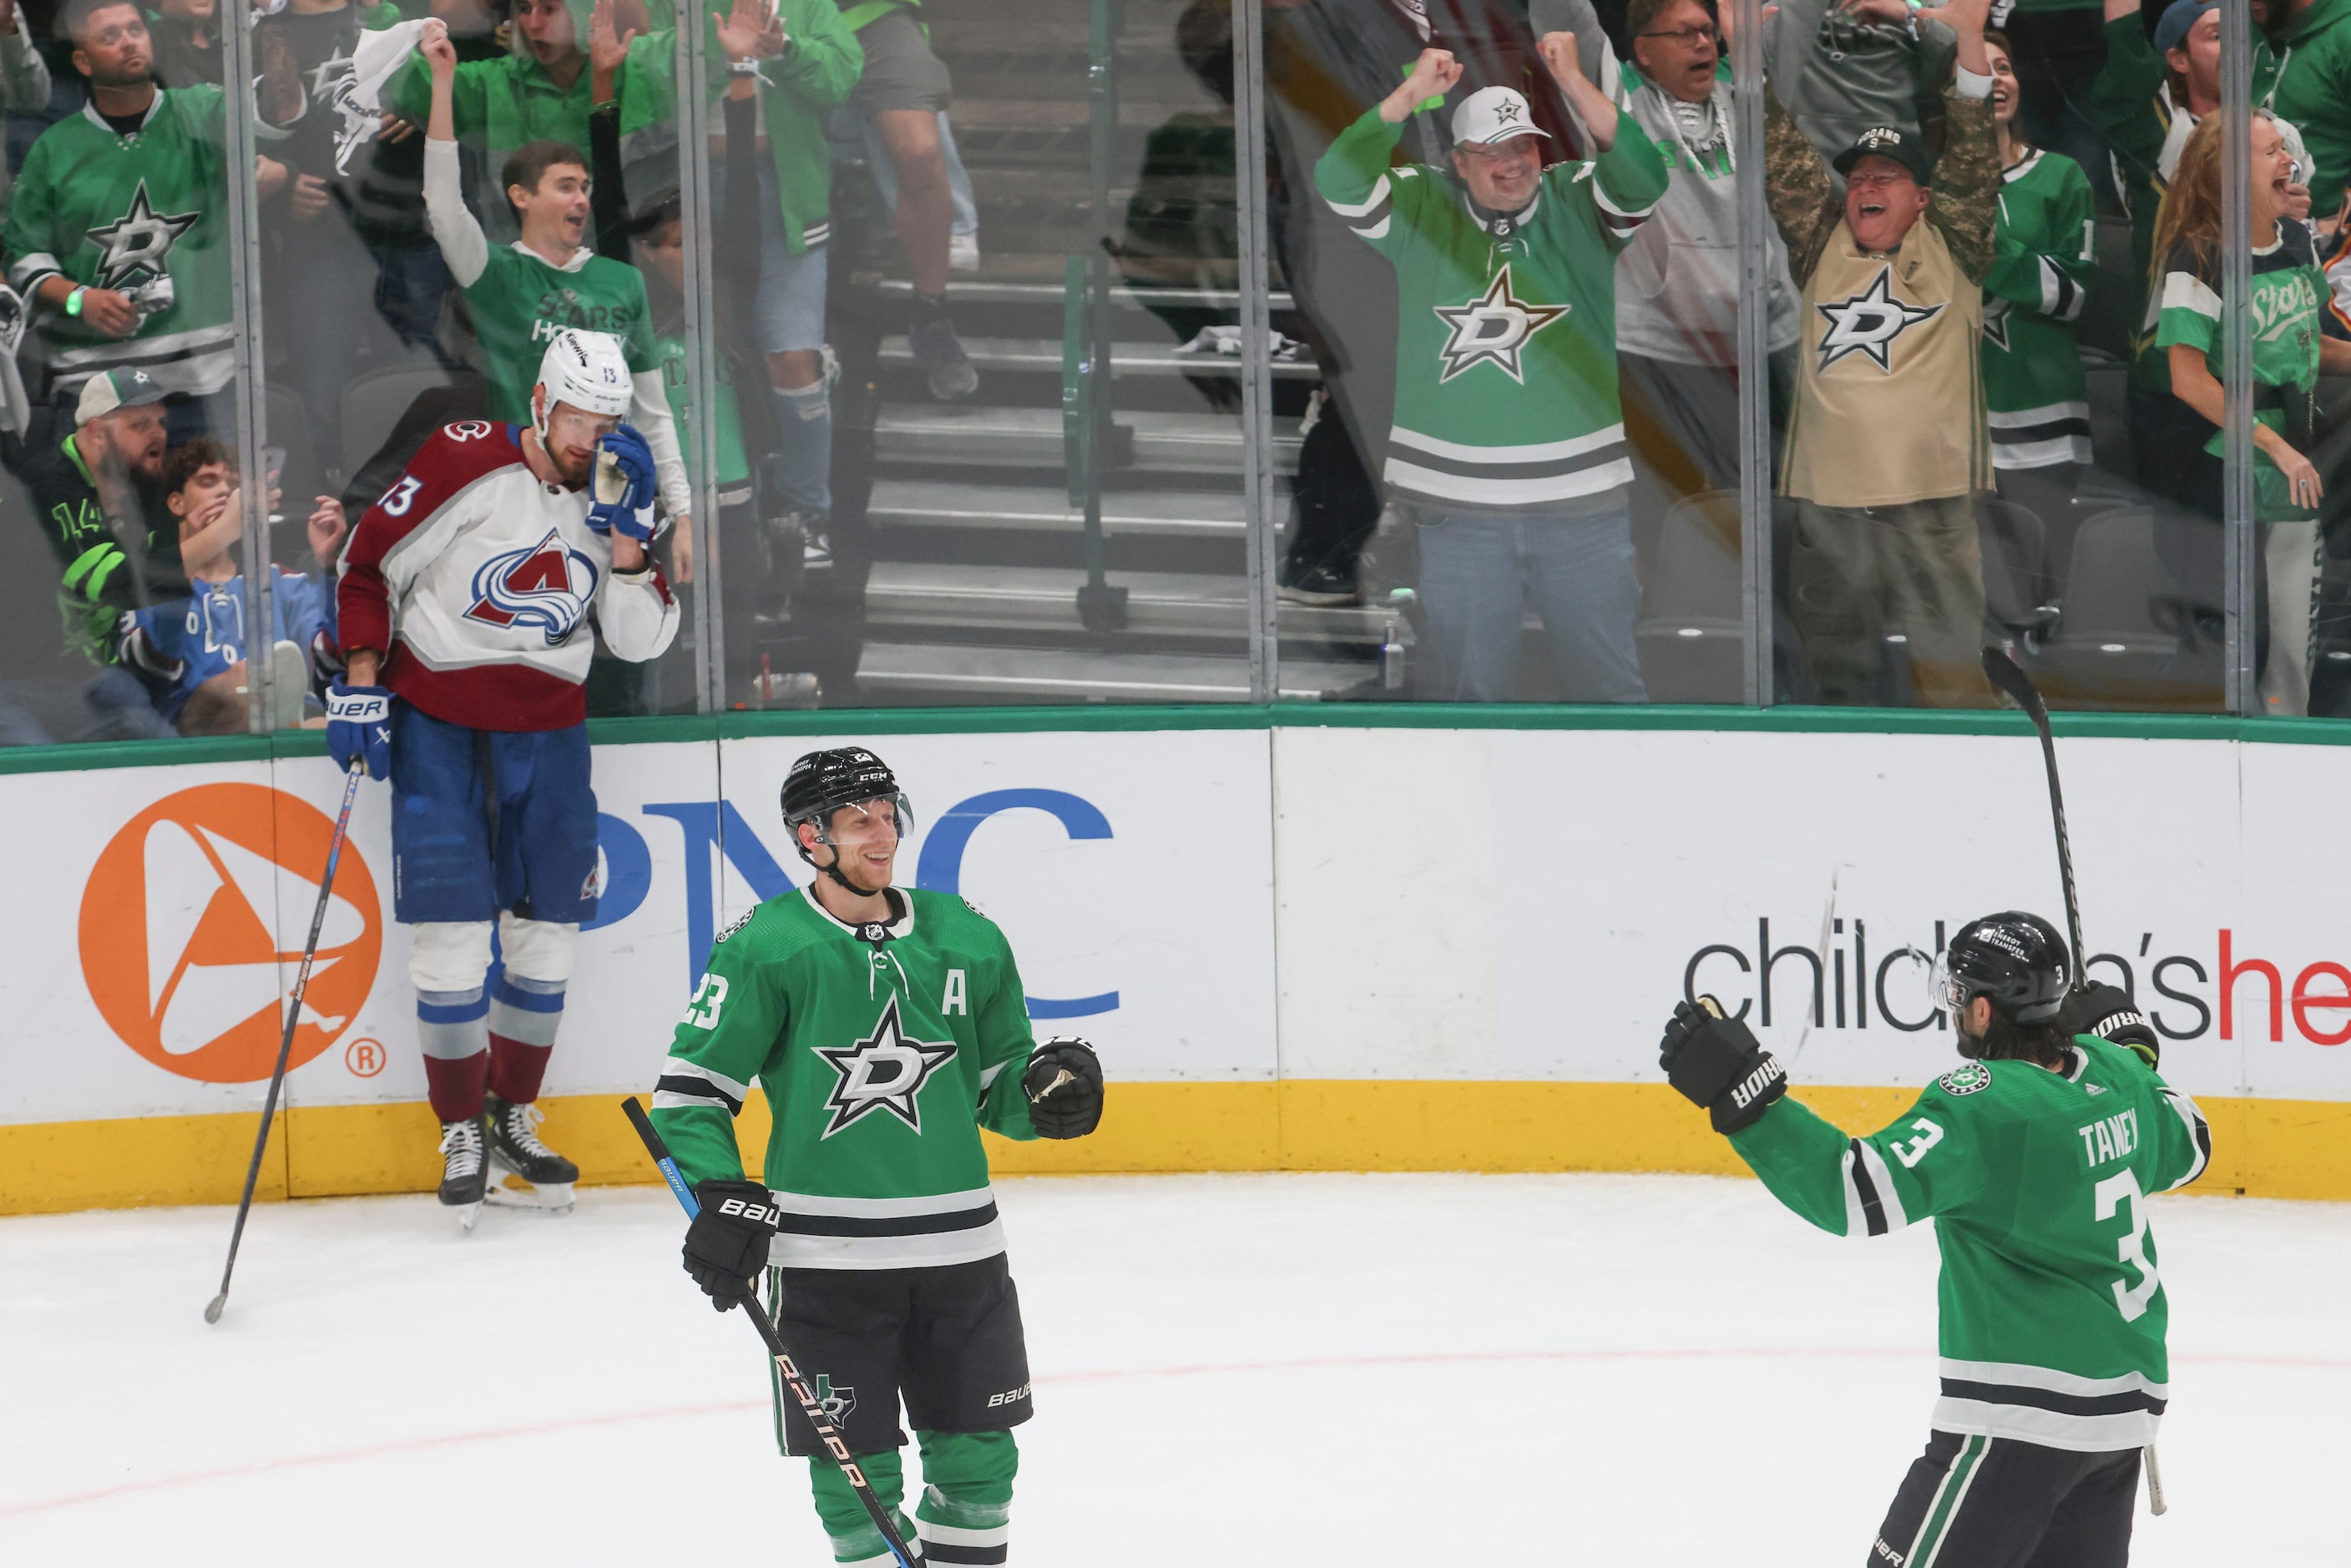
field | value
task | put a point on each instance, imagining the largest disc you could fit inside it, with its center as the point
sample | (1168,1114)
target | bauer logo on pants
(192,924)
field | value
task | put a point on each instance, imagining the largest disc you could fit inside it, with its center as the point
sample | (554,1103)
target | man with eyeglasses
(1508,437)
(1887,443)
(1677,282)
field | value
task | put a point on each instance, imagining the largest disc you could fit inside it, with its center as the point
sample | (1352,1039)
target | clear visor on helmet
(901,814)
(1949,992)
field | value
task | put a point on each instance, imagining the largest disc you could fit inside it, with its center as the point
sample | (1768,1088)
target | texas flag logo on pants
(546,585)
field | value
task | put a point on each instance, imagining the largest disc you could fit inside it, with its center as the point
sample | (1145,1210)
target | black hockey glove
(1717,1063)
(726,1245)
(2109,1012)
(1064,1085)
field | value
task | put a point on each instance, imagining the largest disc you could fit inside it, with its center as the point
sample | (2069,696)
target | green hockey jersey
(2044,260)
(129,212)
(1506,344)
(2286,307)
(521,300)
(880,1061)
(2053,1313)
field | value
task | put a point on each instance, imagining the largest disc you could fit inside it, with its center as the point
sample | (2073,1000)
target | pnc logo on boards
(177,922)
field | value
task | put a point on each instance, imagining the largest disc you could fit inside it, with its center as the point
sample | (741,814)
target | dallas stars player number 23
(886,1027)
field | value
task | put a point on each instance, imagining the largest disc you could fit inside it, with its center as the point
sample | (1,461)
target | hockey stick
(2005,674)
(286,1038)
(826,1432)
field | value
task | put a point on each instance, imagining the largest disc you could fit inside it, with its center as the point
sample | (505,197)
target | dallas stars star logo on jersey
(836,1402)
(1869,321)
(138,242)
(1493,329)
(1995,322)
(883,1072)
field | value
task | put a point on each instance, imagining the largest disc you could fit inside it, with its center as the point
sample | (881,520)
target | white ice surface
(1291,1370)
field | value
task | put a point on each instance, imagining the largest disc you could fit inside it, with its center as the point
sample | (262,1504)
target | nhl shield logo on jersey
(545,586)
(1868,323)
(1493,329)
(1966,1080)
(883,1072)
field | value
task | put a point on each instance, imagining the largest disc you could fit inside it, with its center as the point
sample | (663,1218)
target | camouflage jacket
(1807,205)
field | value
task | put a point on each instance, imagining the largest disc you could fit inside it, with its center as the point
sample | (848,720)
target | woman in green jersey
(2283,310)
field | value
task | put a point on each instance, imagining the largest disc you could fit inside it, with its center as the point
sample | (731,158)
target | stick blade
(2009,677)
(213,1311)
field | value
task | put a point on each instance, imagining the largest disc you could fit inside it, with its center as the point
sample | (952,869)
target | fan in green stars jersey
(886,1029)
(2034,1158)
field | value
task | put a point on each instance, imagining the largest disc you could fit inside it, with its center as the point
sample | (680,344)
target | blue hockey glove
(359,724)
(622,490)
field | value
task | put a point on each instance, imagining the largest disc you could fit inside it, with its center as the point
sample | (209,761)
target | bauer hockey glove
(359,724)
(1717,1063)
(1064,1085)
(2109,1012)
(726,1245)
(623,490)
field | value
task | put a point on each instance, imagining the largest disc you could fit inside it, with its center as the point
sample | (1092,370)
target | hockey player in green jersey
(2044,259)
(2034,1158)
(1507,436)
(886,1027)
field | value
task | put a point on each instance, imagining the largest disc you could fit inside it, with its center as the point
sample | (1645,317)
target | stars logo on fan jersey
(883,1072)
(1493,329)
(138,244)
(1869,321)
(1995,321)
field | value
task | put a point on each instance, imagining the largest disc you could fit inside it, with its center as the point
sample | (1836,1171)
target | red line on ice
(1107,1374)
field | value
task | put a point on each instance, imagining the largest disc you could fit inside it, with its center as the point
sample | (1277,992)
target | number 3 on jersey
(702,1011)
(2122,1187)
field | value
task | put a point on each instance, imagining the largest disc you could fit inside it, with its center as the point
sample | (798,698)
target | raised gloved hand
(623,488)
(1064,1085)
(726,1245)
(1717,1063)
(2109,1012)
(359,724)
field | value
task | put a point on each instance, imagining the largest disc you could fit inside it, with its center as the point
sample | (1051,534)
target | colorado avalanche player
(463,597)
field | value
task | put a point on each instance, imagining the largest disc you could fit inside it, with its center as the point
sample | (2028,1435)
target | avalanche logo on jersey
(1869,321)
(883,1072)
(140,242)
(1493,329)
(546,586)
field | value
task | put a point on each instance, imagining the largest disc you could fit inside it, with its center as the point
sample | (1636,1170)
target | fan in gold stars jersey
(886,1027)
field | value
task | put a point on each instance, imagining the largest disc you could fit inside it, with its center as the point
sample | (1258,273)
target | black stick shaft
(800,1387)
(2009,677)
(286,1038)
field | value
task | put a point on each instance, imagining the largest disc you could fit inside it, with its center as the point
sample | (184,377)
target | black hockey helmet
(2019,960)
(821,782)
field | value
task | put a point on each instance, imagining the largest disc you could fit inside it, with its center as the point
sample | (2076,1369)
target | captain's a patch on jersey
(1966,1080)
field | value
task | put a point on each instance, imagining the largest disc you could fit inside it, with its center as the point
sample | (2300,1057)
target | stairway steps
(1044,356)
(1134,514)
(959,435)
(960,673)
(1042,600)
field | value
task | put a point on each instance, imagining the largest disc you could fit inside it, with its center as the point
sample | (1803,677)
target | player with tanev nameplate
(2034,1158)
(886,1027)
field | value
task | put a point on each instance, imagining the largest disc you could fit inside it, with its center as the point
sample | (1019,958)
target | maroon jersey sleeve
(451,461)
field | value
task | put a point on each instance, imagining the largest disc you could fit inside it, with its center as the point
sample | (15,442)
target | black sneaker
(1321,585)
(465,1169)
(940,354)
(515,1146)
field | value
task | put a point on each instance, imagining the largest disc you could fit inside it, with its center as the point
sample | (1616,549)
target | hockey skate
(516,1151)
(464,1171)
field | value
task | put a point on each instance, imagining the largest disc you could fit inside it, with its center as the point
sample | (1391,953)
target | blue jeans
(1478,568)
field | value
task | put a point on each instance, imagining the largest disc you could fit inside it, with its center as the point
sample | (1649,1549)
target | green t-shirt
(881,1060)
(2288,293)
(520,301)
(2053,1312)
(733,463)
(2044,261)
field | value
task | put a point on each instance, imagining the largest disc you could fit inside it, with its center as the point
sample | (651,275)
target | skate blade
(554,1197)
(467,1213)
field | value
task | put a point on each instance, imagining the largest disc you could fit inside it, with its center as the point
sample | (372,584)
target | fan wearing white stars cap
(1887,443)
(1508,440)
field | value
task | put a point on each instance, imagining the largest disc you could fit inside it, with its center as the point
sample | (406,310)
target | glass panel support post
(1257,343)
(700,296)
(1754,353)
(2240,556)
(239,154)
(1085,328)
